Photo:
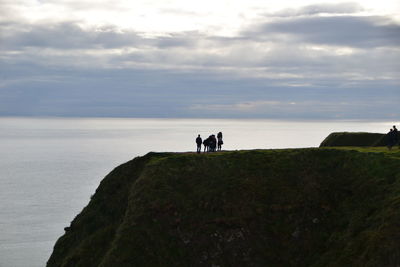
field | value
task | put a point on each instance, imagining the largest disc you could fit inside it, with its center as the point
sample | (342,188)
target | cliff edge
(293,207)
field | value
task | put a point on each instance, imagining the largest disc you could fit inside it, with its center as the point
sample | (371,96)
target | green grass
(393,153)
(359,139)
(292,207)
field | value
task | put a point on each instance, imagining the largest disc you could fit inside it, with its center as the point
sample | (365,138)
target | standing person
(199,141)
(220,142)
(395,136)
(206,144)
(213,143)
(390,139)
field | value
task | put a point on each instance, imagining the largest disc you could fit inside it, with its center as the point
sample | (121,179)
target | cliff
(359,139)
(299,207)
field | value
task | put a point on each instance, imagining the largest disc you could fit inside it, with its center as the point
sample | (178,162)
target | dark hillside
(300,207)
(354,139)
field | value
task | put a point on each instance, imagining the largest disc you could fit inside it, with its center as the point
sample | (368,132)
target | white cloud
(215,17)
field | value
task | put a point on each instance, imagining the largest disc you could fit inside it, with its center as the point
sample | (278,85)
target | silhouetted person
(219,141)
(206,144)
(395,136)
(213,143)
(199,141)
(390,139)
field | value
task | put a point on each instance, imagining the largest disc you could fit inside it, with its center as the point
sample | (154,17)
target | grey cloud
(341,8)
(67,35)
(48,91)
(320,109)
(289,64)
(197,50)
(186,39)
(65,70)
(352,31)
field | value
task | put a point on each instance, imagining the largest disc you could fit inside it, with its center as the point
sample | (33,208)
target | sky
(287,59)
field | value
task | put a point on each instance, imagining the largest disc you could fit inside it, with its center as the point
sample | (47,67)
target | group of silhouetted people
(392,137)
(211,144)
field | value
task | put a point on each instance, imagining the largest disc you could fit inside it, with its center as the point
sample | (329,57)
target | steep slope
(302,207)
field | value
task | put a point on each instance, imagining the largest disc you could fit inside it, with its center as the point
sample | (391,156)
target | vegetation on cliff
(293,207)
(357,139)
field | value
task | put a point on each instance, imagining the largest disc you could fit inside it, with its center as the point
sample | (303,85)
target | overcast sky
(286,59)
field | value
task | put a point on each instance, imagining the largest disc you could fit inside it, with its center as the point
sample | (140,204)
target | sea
(50,167)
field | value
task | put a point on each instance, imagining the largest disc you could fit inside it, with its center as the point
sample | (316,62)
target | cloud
(312,109)
(67,35)
(292,61)
(317,9)
(351,31)
(312,62)
(250,106)
(70,35)
(48,91)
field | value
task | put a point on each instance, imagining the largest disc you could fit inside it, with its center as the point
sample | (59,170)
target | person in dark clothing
(390,139)
(395,136)
(219,141)
(210,144)
(213,143)
(199,141)
(206,144)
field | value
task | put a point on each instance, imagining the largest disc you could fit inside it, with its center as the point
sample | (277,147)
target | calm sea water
(49,168)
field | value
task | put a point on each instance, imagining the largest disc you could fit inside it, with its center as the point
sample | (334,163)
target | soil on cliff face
(300,207)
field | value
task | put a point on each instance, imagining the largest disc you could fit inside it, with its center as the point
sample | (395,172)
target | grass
(393,153)
(293,207)
(359,139)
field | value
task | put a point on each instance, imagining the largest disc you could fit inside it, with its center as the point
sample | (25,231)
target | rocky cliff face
(302,207)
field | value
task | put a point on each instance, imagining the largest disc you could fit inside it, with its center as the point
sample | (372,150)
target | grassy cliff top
(359,139)
(394,153)
(292,207)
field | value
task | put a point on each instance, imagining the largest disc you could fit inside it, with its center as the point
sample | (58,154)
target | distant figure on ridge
(220,142)
(213,143)
(199,141)
(390,139)
(395,136)
(206,144)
